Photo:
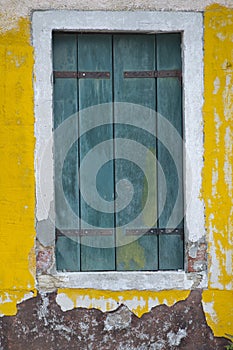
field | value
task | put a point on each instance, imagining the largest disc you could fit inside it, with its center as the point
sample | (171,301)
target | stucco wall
(17,195)
(12,10)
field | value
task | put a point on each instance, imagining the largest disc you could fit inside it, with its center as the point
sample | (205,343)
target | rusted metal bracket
(155,231)
(82,75)
(84,232)
(129,232)
(154,74)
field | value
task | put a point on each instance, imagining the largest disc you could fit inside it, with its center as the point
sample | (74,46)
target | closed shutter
(134,69)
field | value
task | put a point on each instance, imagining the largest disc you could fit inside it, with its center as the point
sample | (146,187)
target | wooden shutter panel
(65,105)
(97,247)
(134,53)
(169,105)
(94,249)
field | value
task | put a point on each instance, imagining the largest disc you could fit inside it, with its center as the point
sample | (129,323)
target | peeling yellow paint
(139,302)
(10,299)
(218,129)
(17,200)
(218,307)
(217,174)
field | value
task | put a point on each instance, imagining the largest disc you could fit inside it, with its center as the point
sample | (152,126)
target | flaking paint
(139,302)
(218,130)
(217,189)
(17,198)
(218,308)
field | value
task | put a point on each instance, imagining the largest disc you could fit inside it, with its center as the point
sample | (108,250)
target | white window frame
(191,26)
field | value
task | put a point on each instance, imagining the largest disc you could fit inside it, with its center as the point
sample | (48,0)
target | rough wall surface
(40,324)
(17,200)
(12,10)
(40,320)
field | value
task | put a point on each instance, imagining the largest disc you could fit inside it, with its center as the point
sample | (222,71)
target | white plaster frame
(191,24)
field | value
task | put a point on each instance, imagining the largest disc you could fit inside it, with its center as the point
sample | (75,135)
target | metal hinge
(155,231)
(82,75)
(84,232)
(129,232)
(154,74)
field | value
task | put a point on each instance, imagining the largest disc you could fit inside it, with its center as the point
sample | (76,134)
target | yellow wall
(218,162)
(17,192)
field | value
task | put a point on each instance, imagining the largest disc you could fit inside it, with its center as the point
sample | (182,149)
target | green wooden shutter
(134,53)
(93,248)
(65,105)
(95,55)
(169,105)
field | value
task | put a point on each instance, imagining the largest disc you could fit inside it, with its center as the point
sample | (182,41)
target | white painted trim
(191,24)
(138,280)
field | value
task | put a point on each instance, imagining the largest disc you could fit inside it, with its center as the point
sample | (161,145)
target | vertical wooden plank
(134,53)
(96,254)
(171,252)
(139,255)
(67,254)
(170,151)
(95,55)
(65,105)
(169,105)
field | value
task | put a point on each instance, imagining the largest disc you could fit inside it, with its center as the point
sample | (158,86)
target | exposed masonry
(44,258)
(121,319)
(195,264)
(197,256)
(41,324)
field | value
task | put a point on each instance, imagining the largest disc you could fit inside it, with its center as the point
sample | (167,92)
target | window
(112,25)
(121,71)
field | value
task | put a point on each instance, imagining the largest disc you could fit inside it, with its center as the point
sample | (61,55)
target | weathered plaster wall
(12,10)
(40,324)
(217,173)
(17,200)
(17,194)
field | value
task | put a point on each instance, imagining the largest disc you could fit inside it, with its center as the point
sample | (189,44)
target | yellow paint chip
(139,302)
(218,307)
(10,299)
